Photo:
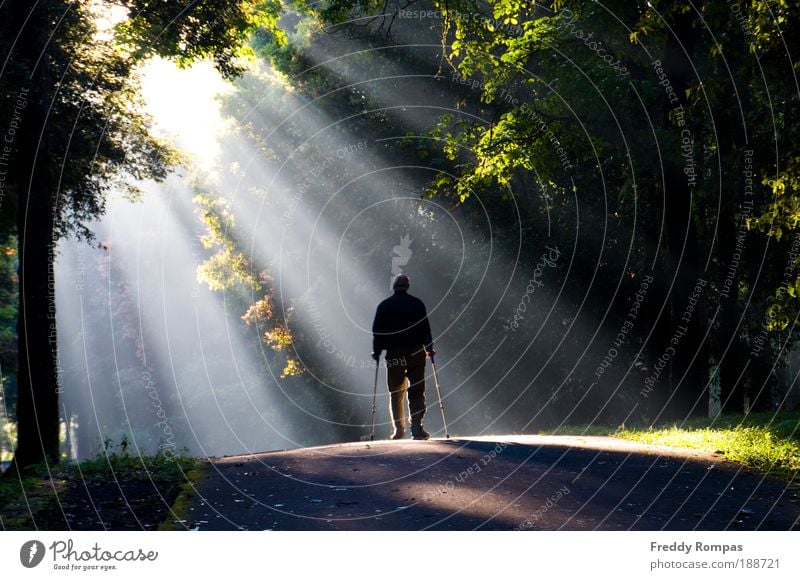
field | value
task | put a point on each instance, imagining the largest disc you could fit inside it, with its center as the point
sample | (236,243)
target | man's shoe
(418,433)
(398,434)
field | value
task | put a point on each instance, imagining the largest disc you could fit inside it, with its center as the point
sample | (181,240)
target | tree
(78,131)
(658,106)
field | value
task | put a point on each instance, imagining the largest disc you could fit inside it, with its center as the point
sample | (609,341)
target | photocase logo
(31,553)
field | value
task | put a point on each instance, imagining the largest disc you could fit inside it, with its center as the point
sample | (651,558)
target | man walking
(401,328)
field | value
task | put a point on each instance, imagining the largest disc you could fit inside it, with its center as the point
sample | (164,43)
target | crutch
(439,394)
(374,397)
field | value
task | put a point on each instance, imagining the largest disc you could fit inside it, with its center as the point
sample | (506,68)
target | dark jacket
(401,322)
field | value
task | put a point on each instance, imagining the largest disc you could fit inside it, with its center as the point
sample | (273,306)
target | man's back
(401,322)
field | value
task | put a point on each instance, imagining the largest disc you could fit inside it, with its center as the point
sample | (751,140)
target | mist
(154,359)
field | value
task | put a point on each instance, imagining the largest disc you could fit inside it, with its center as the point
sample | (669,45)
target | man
(401,328)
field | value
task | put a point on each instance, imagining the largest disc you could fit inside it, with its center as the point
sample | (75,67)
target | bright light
(185,107)
(106,17)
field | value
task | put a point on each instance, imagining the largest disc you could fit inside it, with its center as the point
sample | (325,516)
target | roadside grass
(179,512)
(157,467)
(110,491)
(17,490)
(766,441)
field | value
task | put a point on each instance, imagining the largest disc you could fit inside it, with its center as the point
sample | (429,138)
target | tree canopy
(653,143)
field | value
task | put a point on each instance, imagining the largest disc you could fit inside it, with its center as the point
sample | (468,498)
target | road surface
(489,483)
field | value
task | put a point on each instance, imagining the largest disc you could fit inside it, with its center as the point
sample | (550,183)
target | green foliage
(566,100)
(97,137)
(228,268)
(190,30)
(117,459)
(757,447)
(766,441)
(278,94)
(8,307)
(8,431)
(8,346)
(338,11)
(72,93)
(544,120)
(43,495)
(14,486)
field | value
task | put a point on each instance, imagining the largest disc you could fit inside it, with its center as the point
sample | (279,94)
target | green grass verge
(180,508)
(156,467)
(22,494)
(35,496)
(767,442)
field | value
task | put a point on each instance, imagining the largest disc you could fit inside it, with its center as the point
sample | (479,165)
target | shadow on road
(505,483)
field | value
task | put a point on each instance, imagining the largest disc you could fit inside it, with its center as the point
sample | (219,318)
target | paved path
(490,483)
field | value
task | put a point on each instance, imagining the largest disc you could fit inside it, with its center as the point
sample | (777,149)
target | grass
(180,508)
(21,495)
(157,467)
(89,490)
(768,442)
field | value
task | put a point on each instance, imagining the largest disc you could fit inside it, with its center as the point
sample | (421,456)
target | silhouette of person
(401,328)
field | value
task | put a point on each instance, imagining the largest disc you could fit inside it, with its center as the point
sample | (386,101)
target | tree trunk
(37,380)
(730,350)
(681,338)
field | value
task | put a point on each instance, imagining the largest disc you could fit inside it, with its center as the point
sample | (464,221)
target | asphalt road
(489,483)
